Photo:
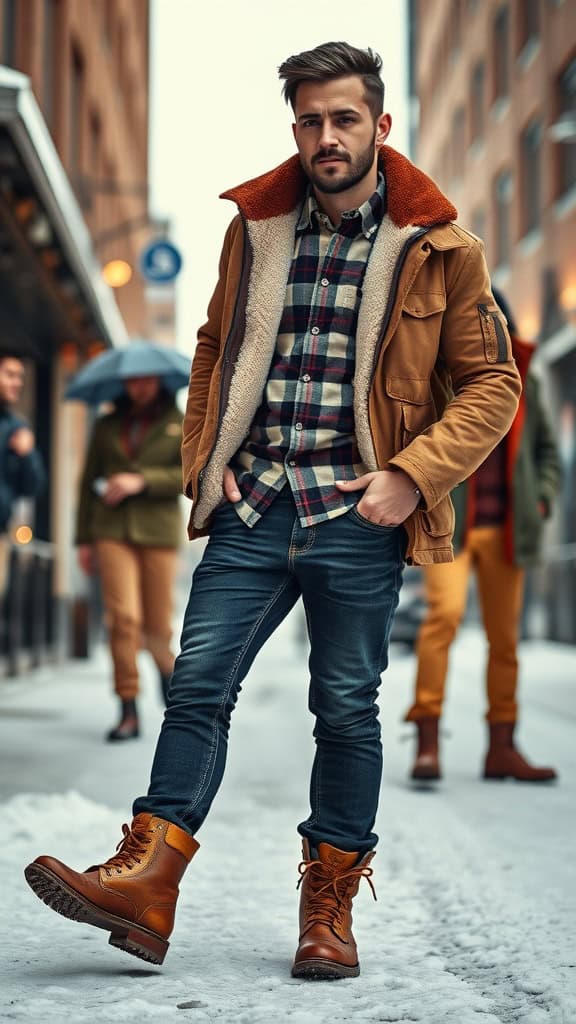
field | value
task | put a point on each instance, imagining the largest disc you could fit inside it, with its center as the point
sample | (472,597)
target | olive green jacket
(532,470)
(151,518)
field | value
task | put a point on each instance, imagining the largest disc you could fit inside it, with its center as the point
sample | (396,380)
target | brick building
(74,85)
(493,86)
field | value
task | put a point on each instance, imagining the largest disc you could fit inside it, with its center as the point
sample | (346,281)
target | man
(319,456)
(129,530)
(21,470)
(500,511)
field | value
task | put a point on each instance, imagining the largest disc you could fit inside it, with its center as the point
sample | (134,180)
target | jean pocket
(368,524)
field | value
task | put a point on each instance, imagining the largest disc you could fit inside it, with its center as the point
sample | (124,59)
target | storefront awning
(45,244)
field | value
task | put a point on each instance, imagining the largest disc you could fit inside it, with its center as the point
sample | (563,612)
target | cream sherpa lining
(272,243)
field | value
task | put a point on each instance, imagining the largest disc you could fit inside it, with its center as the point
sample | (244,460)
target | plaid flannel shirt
(303,433)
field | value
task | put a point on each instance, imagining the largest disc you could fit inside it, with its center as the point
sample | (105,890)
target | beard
(359,167)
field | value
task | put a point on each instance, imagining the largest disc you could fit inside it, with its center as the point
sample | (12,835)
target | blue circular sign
(160,262)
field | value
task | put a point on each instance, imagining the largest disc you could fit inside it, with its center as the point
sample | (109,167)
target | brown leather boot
(330,881)
(504,761)
(426,767)
(133,895)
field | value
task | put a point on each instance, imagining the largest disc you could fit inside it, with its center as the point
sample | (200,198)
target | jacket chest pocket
(413,405)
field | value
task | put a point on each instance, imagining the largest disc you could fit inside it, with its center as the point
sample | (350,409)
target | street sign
(160,262)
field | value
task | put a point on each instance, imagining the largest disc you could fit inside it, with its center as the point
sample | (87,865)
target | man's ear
(383,127)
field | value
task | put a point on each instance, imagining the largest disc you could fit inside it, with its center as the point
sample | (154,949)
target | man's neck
(334,204)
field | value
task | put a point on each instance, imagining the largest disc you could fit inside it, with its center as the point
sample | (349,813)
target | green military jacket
(151,518)
(533,476)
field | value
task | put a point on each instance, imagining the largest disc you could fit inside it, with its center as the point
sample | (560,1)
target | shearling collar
(412,196)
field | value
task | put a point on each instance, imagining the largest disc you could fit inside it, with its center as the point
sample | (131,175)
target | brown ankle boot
(327,949)
(504,761)
(128,727)
(427,764)
(133,895)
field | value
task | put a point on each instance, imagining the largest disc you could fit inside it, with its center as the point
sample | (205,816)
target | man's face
(336,133)
(11,379)
(142,390)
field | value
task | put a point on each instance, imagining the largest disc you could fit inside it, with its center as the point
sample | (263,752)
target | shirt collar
(370,213)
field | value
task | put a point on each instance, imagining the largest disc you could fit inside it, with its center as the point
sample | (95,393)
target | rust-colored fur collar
(412,196)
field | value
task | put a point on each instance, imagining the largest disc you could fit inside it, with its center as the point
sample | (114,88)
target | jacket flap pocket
(421,304)
(414,390)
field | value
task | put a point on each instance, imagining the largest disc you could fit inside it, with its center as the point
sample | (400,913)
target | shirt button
(298,426)
(306,377)
(292,462)
(324,282)
(315,330)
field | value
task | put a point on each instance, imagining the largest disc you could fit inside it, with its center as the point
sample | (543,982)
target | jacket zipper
(224,382)
(393,291)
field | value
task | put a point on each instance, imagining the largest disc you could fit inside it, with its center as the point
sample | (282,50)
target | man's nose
(328,137)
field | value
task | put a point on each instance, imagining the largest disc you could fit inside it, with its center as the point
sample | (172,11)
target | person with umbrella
(128,525)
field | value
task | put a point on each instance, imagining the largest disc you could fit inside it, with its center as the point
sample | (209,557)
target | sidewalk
(475,914)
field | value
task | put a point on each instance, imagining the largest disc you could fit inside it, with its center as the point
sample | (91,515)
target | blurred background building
(74,218)
(493,121)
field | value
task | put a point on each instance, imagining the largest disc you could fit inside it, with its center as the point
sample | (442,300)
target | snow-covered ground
(475,918)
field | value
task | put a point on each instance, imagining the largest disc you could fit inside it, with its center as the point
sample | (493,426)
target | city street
(475,917)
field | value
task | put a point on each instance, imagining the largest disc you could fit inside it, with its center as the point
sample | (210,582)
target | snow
(475,917)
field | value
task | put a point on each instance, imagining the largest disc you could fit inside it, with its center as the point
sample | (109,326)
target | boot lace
(328,903)
(130,849)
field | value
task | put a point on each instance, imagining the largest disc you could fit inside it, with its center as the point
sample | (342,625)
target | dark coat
(21,476)
(533,473)
(151,518)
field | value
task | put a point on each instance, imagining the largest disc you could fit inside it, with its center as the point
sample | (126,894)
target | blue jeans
(348,572)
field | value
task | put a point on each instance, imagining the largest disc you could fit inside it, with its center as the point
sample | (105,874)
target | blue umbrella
(102,379)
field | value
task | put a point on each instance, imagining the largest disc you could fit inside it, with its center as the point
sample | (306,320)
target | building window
(479,222)
(76,115)
(530,147)
(458,142)
(566,146)
(477,91)
(503,192)
(529,23)
(49,62)
(501,50)
(9,11)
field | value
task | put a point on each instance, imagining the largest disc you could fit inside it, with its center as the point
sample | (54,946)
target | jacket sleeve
(478,356)
(206,356)
(28,477)
(546,455)
(87,497)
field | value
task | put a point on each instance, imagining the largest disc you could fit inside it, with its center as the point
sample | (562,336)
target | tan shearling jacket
(435,384)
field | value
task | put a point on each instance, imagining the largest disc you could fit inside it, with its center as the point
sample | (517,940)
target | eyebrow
(333,113)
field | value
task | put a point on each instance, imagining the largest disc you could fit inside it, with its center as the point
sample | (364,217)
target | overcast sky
(218,118)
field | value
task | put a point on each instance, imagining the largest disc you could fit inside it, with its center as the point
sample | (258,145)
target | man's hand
(121,486)
(87,559)
(389,496)
(229,486)
(22,441)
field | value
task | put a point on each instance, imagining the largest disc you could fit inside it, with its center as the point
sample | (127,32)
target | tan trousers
(137,585)
(4,563)
(500,588)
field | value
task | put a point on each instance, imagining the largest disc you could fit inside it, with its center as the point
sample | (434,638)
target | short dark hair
(334,60)
(10,354)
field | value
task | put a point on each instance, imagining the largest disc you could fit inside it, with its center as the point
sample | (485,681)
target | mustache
(331,152)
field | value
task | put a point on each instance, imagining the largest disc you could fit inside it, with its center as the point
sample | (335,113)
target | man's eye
(346,119)
(311,122)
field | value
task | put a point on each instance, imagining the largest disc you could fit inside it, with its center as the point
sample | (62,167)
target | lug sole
(502,776)
(124,934)
(317,969)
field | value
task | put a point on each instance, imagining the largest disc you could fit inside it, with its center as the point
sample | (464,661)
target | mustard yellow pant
(500,588)
(137,584)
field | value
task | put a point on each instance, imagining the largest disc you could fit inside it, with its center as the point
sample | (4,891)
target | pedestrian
(319,455)
(500,511)
(21,468)
(129,529)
